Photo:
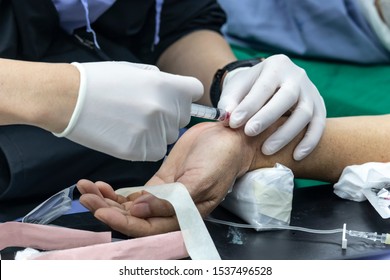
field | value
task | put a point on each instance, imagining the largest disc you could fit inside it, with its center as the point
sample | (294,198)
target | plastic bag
(263,197)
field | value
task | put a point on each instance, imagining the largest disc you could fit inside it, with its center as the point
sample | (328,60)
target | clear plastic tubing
(384,238)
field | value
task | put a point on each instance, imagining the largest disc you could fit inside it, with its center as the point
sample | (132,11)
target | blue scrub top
(332,29)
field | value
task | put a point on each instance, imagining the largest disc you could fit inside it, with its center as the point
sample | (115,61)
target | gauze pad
(263,197)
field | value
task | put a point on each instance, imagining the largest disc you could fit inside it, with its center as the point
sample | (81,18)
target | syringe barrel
(210,113)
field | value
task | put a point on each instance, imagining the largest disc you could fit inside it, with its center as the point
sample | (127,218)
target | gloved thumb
(234,88)
(187,85)
(141,66)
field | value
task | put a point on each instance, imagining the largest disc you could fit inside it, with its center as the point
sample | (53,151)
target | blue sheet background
(332,29)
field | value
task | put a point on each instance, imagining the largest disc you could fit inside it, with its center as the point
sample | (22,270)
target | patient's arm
(346,141)
(209,157)
(206,159)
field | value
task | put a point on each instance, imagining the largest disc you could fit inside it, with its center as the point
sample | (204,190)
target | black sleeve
(34,164)
(179,18)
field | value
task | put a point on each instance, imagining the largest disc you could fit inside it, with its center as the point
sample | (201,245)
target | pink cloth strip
(168,246)
(45,237)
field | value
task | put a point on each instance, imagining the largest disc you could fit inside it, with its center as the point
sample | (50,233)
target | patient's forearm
(346,141)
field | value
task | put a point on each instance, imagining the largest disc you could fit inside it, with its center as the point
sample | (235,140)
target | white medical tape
(196,237)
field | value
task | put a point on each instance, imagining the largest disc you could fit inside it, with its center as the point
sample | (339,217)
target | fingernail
(237,118)
(301,153)
(271,147)
(253,128)
(141,210)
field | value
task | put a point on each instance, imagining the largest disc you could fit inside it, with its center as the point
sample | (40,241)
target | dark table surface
(313,207)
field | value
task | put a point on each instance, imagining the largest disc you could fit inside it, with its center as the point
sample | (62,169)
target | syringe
(384,238)
(210,113)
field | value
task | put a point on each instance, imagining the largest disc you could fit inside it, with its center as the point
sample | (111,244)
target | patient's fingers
(147,205)
(138,214)
(136,227)
(86,186)
(93,202)
(100,189)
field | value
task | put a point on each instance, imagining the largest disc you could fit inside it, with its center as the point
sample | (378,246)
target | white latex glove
(257,96)
(130,111)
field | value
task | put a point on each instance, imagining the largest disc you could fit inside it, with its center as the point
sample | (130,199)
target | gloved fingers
(167,129)
(181,116)
(190,86)
(151,149)
(311,139)
(187,90)
(263,89)
(315,129)
(298,120)
(236,86)
(150,154)
(173,134)
(114,96)
(281,102)
(140,65)
(184,120)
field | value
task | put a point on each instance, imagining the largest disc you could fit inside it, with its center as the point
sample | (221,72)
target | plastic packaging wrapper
(356,177)
(52,208)
(263,197)
(380,199)
(367,181)
(192,240)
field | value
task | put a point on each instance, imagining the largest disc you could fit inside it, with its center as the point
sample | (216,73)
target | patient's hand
(207,159)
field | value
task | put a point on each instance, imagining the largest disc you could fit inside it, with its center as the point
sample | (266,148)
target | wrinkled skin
(206,159)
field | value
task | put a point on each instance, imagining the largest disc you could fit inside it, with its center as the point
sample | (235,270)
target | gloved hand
(257,96)
(130,111)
